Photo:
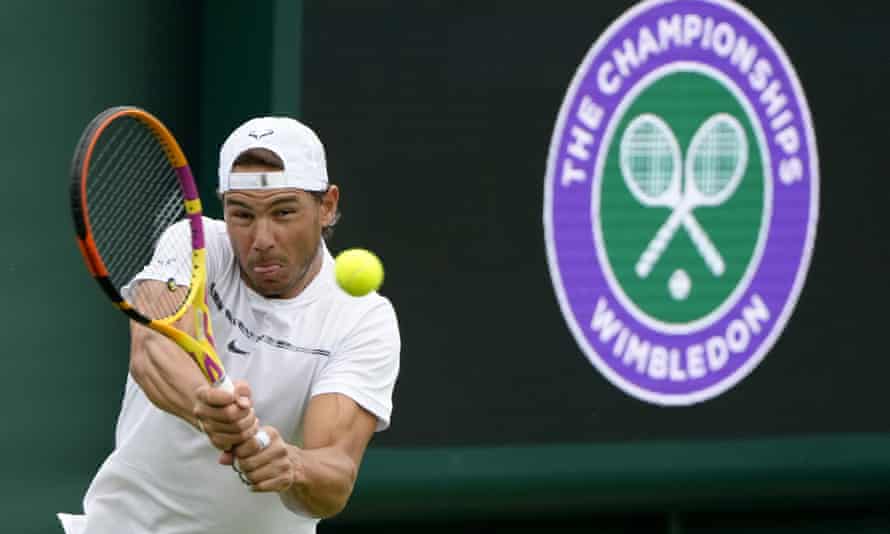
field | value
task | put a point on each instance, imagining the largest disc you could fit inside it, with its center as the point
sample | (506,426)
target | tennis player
(314,368)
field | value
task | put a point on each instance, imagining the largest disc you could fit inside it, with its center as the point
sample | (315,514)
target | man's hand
(273,468)
(227,419)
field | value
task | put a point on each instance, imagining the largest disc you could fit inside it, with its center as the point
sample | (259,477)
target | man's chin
(269,289)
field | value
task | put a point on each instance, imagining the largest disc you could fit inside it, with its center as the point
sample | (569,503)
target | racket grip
(656,247)
(705,247)
(225,384)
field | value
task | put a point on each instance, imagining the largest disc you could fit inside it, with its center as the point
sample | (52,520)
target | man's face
(276,235)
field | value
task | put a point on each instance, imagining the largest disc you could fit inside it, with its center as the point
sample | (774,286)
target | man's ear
(329,205)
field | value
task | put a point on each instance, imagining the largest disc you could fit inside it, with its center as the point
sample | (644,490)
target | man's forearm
(323,479)
(164,372)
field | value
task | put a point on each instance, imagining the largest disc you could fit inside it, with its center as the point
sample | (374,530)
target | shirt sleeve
(219,251)
(366,365)
(172,259)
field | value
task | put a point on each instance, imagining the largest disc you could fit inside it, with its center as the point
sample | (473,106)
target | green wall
(63,62)
(65,347)
(250,66)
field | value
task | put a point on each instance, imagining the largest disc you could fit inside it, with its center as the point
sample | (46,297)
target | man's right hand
(227,419)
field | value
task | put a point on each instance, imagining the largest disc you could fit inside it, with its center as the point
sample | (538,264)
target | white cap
(297,146)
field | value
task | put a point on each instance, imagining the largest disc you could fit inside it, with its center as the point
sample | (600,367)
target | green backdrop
(202,68)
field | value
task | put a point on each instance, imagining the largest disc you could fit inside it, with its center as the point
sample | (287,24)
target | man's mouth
(266,269)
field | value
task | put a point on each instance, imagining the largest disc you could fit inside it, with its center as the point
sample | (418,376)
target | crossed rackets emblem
(658,176)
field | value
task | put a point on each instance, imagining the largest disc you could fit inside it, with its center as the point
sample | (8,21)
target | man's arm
(165,372)
(173,382)
(320,476)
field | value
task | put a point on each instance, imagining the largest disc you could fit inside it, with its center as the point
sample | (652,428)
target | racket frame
(672,193)
(200,347)
(692,193)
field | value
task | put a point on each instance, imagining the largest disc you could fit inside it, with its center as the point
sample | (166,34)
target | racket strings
(717,158)
(111,157)
(168,259)
(125,168)
(108,180)
(131,201)
(134,200)
(125,205)
(650,158)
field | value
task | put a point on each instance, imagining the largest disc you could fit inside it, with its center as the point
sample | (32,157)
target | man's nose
(262,237)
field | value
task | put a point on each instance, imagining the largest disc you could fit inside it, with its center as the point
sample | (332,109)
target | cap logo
(259,135)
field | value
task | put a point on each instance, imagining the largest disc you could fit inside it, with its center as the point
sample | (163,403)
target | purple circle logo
(681,199)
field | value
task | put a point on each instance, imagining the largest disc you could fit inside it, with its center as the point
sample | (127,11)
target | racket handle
(225,384)
(704,245)
(660,242)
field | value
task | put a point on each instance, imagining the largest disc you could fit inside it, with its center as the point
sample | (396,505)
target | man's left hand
(273,468)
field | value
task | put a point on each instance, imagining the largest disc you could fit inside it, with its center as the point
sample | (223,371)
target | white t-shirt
(163,477)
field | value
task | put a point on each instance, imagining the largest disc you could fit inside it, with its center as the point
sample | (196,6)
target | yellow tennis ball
(358,271)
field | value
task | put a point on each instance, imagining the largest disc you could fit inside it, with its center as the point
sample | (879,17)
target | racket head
(126,191)
(716,160)
(137,217)
(651,161)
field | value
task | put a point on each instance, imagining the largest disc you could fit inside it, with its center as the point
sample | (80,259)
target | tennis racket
(138,221)
(652,167)
(715,165)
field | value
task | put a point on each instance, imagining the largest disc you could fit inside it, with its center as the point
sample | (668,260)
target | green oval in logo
(677,263)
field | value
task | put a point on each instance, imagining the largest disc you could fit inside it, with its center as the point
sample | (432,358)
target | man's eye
(284,212)
(243,215)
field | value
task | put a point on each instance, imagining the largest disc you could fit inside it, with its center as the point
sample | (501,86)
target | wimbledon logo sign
(681,199)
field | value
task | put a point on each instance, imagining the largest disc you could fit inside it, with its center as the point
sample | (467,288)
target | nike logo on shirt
(254,337)
(234,349)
